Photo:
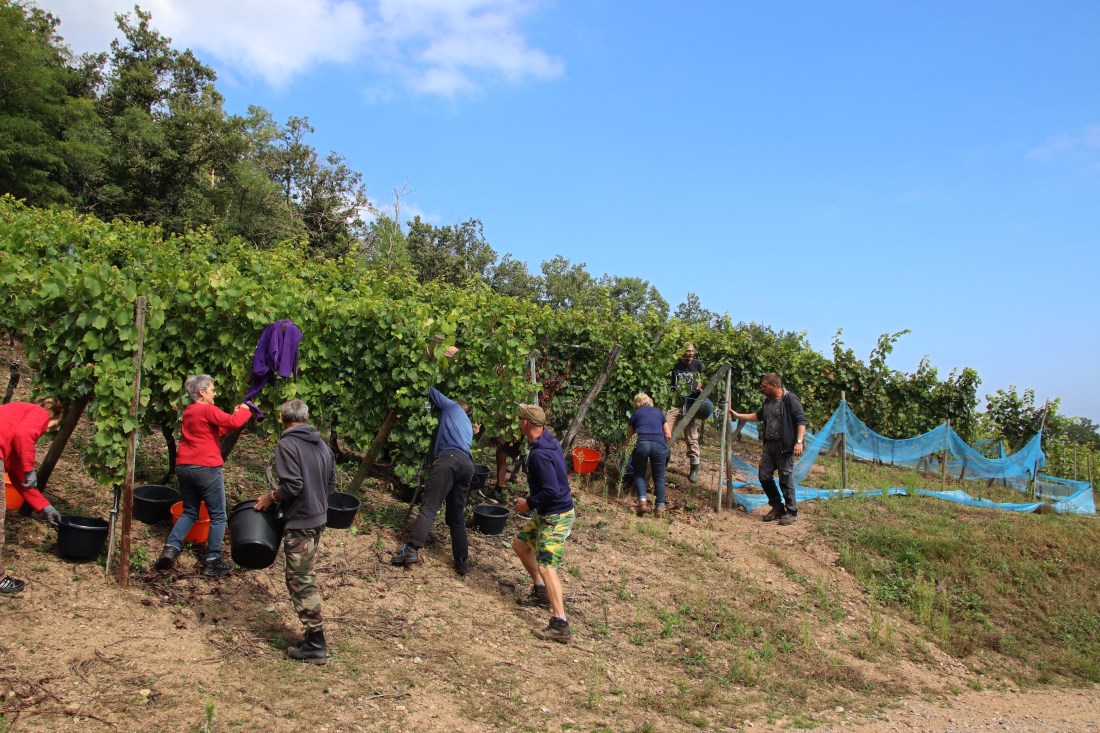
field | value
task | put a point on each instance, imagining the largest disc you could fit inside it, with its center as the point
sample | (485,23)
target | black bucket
(489,518)
(406,493)
(254,536)
(706,409)
(153,504)
(342,509)
(81,538)
(480,474)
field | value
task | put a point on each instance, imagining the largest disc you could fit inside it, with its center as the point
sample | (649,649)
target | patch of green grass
(971,579)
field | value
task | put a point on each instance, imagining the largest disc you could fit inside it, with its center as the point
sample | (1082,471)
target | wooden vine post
(131,454)
(13,381)
(843,443)
(943,463)
(64,432)
(1035,469)
(578,419)
(724,473)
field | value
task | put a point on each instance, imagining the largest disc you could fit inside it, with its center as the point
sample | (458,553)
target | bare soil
(424,650)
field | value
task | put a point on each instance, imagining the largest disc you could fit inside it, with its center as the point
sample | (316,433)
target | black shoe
(217,568)
(536,598)
(497,496)
(557,630)
(312,649)
(787,520)
(167,558)
(693,475)
(462,567)
(407,555)
(9,586)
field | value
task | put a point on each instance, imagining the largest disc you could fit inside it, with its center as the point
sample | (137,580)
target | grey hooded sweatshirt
(307,475)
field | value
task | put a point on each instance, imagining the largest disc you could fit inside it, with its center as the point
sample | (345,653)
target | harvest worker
(199,468)
(307,475)
(449,479)
(686,382)
(21,425)
(653,433)
(783,429)
(541,542)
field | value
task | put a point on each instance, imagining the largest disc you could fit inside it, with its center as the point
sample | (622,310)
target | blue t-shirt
(456,432)
(649,424)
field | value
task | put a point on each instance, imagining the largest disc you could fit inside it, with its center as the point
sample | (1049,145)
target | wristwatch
(798,442)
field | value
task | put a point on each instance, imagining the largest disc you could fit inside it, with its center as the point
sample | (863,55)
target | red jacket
(202,431)
(21,425)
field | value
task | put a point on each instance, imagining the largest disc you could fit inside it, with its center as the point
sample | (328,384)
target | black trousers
(448,481)
(773,459)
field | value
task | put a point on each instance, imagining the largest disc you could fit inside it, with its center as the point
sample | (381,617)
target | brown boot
(557,630)
(640,510)
(659,511)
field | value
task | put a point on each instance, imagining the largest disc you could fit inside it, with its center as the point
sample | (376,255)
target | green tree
(633,296)
(1015,418)
(566,285)
(49,138)
(510,276)
(454,254)
(692,312)
(170,141)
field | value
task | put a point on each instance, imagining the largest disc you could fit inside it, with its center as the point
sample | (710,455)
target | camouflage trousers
(299,551)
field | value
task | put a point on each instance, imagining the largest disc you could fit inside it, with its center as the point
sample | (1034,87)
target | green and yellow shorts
(546,535)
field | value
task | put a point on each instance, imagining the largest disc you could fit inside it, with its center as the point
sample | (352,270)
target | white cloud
(435,47)
(1080,149)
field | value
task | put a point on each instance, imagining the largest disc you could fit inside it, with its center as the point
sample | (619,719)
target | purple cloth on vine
(276,356)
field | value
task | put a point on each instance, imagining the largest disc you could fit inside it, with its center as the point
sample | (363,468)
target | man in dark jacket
(782,429)
(306,471)
(541,542)
(449,479)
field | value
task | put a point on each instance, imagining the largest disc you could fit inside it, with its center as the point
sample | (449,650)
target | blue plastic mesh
(925,452)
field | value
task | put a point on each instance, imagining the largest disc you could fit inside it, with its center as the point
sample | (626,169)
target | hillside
(705,621)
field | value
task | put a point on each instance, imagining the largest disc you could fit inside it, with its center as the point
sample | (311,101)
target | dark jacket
(793,416)
(546,476)
(307,475)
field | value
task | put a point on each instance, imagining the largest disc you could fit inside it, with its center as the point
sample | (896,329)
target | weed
(595,679)
(139,560)
(208,717)
(624,594)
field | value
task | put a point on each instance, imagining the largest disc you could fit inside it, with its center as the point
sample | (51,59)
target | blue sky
(866,165)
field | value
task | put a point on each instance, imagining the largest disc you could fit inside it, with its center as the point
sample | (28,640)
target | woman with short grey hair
(196,383)
(199,468)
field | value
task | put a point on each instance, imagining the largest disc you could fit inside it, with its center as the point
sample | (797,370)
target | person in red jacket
(21,425)
(199,468)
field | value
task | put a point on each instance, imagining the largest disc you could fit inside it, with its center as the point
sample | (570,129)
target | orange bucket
(12,498)
(585,460)
(200,530)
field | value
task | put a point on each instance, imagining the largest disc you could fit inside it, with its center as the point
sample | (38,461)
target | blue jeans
(200,483)
(657,455)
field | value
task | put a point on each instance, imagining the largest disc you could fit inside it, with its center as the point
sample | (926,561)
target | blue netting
(924,453)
